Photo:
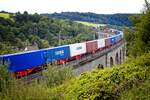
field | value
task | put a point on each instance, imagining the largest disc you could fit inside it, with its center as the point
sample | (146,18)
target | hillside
(90,24)
(4,15)
(22,30)
(112,19)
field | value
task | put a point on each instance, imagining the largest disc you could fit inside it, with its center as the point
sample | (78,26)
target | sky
(51,6)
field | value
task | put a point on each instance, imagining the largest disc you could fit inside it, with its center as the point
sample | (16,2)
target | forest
(112,19)
(20,30)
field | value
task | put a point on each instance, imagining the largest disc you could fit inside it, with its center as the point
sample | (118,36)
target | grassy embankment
(90,24)
(101,25)
(5,15)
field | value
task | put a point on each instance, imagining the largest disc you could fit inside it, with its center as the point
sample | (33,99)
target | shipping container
(118,38)
(57,53)
(117,32)
(112,40)
(22,61)
(107,42)
(101,43)
(121,35)
(77,49)
(91,46)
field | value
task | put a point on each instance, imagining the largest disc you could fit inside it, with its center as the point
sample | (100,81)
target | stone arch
(117,58)
(111,62)
(120,56)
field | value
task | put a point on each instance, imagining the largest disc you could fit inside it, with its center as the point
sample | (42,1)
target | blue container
(117,32)
(113,40)
(22,61)
(119,37)
(57,53)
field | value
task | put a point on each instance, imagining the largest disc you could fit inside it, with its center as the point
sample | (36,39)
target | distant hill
(19,32)
(112,19)
(4,15)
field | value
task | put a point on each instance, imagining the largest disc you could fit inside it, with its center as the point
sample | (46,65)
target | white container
(101,43)
(77,49)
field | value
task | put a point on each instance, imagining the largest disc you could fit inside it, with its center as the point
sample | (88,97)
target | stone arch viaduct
(114,55)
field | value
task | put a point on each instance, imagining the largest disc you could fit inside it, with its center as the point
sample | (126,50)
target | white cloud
(50,6)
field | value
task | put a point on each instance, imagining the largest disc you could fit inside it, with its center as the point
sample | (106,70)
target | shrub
(16,89)
(108,83)
(56,75)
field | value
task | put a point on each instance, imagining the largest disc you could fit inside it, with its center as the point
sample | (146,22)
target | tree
(142,34)
(147,5)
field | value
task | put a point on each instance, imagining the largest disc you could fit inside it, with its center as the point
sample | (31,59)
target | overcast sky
(51,6)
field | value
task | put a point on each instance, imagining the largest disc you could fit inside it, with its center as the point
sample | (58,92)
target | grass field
(5,15)
(90,24)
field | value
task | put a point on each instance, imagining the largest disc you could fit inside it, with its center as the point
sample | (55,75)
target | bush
(108,83)
(8,84)
(140,92)
(56,75)
(16,89)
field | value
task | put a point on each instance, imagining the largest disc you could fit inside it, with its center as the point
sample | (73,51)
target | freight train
(24,63)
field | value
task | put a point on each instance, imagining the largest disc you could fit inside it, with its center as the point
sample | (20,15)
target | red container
(91,46)
(107,42)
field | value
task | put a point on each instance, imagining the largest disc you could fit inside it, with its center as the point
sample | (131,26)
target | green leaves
(108,83)
(138,40)
(40,30)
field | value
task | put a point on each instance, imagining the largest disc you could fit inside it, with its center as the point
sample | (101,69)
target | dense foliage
(120,82)
(21,89)
(107,84)
(138,38)
(143,33)
(112,19)
(140,92)
(23,30)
